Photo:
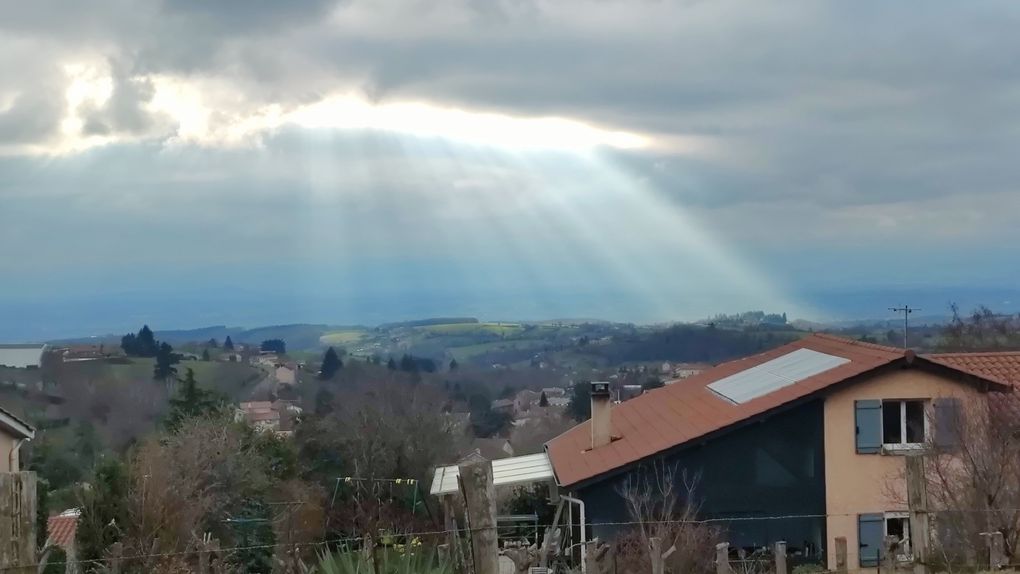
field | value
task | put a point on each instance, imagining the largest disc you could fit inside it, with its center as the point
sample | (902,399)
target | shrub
(810,568)
(390,561)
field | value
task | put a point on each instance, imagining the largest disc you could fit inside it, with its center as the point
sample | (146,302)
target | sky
(250,162)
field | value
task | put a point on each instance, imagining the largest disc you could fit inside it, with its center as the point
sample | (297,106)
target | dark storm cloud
(865,123)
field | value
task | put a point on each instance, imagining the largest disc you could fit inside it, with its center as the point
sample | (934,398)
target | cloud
(769,127)
(124,110)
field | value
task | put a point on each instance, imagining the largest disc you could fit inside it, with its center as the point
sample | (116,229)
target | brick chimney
(601,419)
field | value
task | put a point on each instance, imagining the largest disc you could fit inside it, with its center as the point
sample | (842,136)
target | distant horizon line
(833,322)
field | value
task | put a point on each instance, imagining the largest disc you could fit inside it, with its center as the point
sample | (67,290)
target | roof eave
(908,360)
(898,362)
(16,426)
(988,384)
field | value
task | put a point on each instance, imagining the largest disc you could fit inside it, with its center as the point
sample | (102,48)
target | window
(898,524)
(872,530)
(903,423)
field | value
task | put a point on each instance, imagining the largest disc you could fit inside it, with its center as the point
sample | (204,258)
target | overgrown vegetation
(414,560)
(982,330)
(662,500)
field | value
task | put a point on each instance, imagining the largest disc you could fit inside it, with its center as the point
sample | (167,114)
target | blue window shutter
(947,422)
(868,418)
(870,532)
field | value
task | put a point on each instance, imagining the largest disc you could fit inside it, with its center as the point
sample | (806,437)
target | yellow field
(342,337)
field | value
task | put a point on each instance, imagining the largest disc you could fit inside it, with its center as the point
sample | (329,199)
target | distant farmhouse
(21,356)
(80,353)
(268,416)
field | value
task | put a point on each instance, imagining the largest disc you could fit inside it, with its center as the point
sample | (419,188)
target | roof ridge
(974,354)
(856,342)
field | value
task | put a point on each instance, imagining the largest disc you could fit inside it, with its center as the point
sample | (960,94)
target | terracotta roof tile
(62,528)
(1002,367)
(686,410)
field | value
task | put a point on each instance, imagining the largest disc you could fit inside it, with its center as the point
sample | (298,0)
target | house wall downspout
(584,533)
(14,451)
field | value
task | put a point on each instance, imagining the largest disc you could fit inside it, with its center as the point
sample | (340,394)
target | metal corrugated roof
(776,374)
(507,471)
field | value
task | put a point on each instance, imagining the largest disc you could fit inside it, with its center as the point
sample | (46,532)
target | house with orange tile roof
(61,530)
(268,416)
(804,443)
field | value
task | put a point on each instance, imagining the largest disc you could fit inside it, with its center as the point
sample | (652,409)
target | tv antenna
(906,310)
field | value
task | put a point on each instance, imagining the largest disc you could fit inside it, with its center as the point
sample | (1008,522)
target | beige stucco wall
(865,483)
(7,442)
(286,376)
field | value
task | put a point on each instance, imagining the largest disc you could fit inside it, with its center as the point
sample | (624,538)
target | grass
(468,352)
(231,379)
(408,561)
(341,338)
(501,329)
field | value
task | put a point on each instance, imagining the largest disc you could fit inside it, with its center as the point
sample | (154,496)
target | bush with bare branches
(663,504)
(973,477)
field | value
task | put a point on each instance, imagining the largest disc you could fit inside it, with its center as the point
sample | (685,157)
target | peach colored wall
(865,483)
(7,442)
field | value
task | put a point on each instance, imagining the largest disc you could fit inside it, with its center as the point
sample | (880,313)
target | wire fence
(332,543)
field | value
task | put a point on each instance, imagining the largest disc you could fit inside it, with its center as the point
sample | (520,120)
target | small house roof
(63,527)
(1002,367)
(527,469)
(15,426)
(665,418)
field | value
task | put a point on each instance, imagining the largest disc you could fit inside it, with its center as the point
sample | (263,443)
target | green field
(468,352)
(500,329)
(232,379)
(341,338)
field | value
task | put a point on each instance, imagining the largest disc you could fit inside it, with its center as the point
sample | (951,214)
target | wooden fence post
(890,545)
(206,548)
(551,539)
(917,502)
(480,499)
(722,558)
(841,554)
(996,550)
(116,553)
(203,559)
(781,557)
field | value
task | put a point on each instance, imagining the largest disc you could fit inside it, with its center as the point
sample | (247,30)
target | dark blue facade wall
(771,468)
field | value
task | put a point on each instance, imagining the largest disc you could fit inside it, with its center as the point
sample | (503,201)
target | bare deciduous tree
(972,474)
(387,430)
(663,504)
(982,330)
(184,484)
